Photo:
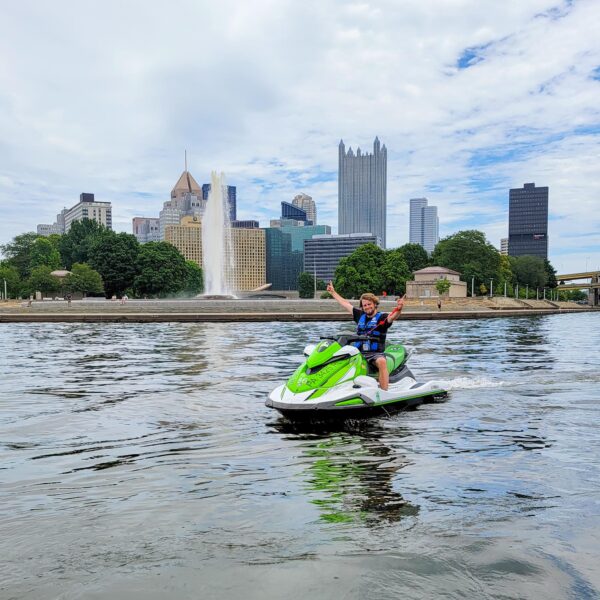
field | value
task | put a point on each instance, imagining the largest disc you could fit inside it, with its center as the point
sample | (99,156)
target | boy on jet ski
(372,323)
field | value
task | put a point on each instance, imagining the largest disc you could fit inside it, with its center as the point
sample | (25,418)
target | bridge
(573,281)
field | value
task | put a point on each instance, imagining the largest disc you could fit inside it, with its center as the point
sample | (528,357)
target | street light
(527,291)
(491,288)
(5,296)
(472,287)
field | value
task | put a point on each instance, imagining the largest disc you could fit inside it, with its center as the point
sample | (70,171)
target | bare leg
(384,376)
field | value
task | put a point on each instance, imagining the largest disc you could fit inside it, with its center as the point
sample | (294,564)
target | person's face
(369,307)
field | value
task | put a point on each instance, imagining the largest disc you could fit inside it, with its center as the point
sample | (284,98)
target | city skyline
(482,107)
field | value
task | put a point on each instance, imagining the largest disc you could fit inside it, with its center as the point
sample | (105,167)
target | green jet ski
(336,382)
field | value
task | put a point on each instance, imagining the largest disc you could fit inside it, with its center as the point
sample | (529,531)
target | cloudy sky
(471,97)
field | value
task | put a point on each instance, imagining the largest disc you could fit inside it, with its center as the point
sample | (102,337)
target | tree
(18,252)
(194,278)
(395,271)
(361,271)
(83,279)
(443,286)
(114,256)
(161,270)
(75,245)
(306,285)
(415,255)
(44,253)
(550,274)
(529,271)
(13,281)
(469,253)
(505,274)
(40,280)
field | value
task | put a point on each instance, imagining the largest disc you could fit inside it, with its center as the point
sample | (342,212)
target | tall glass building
(424,224)
(528,221)
(362,191)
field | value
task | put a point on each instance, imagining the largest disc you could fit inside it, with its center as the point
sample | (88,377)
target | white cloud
(104,97)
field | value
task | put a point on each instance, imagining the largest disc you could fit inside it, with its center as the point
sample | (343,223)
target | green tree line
(372,269)
(100,261)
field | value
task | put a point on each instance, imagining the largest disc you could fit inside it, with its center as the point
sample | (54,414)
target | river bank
(264,309)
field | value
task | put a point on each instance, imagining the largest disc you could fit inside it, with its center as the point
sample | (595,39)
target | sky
(471,98)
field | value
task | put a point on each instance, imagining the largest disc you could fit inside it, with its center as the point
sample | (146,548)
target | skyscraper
(307,204)
(528,221)
(362,191)
(424,224)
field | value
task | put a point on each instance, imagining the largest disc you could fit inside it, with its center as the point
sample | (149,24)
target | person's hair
(372,297)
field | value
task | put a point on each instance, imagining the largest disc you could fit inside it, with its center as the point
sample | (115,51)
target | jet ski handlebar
(344,340)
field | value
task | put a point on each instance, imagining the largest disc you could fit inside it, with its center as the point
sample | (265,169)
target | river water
(139,461)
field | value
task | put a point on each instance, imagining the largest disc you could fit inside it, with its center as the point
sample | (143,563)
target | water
(139,461)
(217,247)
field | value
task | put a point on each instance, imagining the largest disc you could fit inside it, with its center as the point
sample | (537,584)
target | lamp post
(5,296)
(527,292)
(505,289)
(537,293)
(491,288)
(472,287)
(517,292)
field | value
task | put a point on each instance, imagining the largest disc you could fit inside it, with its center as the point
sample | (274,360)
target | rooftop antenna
(185,154)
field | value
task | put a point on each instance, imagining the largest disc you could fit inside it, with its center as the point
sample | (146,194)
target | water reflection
(351,472)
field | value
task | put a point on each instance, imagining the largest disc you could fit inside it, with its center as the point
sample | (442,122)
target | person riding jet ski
(371,323)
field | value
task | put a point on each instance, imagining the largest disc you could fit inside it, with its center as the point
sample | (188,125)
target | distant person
(124,298)
(439,304)
(69,298)
(372,323)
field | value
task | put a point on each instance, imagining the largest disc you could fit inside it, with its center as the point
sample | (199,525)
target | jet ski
(336,382)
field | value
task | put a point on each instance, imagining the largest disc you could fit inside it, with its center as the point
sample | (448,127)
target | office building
(186,200)
(231,199)
(248,246)
(86,208)
(146,229)
(291,212)
(46,230)
(247,224)
(504,246)
(362,191)
(528,221)
(283,265)
(322,253)
(424,224)
(307,204)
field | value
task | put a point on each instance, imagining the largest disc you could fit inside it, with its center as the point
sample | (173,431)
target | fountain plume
(217,246)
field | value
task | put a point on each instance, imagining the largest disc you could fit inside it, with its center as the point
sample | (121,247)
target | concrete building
(322,253)
(504,246)
(86,208)
(424,224)
(423,285)
(307,204)
(362,191)
(146,229)
(528,221)
(46,230)
(186,200)
(248,249)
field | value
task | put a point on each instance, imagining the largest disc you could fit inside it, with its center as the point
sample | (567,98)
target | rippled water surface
(139,461)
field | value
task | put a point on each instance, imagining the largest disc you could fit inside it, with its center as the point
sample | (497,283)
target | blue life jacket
(366,326)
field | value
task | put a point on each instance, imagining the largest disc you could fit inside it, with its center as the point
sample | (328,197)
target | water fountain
(217,246)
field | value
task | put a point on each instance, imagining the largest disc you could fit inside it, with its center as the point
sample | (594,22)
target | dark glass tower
(528,221)
(362,191)
(231,199)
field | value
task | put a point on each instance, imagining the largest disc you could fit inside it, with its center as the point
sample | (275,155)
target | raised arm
(396,312)
(341,301)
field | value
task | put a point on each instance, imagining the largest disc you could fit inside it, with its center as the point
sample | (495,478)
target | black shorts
(371,357)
